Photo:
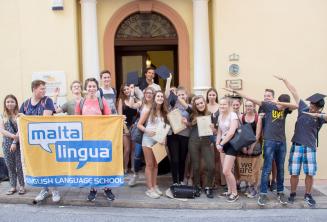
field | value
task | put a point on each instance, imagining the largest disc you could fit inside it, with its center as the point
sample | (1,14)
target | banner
(74,151)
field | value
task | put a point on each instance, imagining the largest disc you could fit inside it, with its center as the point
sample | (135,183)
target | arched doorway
(145,40)
(179,45)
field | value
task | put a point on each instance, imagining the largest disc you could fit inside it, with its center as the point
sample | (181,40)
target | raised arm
(258,102)
(287,105)
(290,87)
(168,84)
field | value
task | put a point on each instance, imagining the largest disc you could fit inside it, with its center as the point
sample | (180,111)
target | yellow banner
(77,151)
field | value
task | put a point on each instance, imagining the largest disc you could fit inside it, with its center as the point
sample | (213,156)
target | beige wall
(288,38)
(35,38)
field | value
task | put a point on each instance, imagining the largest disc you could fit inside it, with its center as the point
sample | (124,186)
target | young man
(40,105)
(269,96)
(107,91)
(69,106)
(148,80)
(304,141)
(274,143)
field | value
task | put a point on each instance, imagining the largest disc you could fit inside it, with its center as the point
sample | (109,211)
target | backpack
(43,101)
(101,92)
(81,104)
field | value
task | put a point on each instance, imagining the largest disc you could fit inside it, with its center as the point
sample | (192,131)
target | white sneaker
(55,196)
(42,195)
(152,194)
(156,189)
(132,181)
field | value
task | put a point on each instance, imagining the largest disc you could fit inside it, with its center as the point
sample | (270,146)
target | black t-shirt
(274,122)
(306,127)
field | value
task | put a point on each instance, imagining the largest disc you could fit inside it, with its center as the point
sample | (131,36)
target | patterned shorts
(302,155)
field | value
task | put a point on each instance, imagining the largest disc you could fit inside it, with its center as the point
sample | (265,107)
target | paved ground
(50,213)
(135,198)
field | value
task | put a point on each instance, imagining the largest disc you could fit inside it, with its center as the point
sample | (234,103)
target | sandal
(11,192)
(21,191)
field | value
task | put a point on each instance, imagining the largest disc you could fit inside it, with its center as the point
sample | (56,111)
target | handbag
(183,191)
(243,137)
(136,133)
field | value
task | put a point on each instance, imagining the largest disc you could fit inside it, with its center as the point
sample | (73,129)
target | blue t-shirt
(274,122)
(306,127)
(45,103)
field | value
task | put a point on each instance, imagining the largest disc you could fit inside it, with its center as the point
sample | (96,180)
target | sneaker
(273,186)
(92,195)
(42,195)
(225,194)
(232,198)
(158,191)
(132,181)
(253,193)
(55,196)
(208,192)
(197,191)
(291,199)
(108,193)
(262,200)
(282,198)
(309,199)
(152,194)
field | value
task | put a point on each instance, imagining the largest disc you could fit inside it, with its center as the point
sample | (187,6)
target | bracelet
(14,142)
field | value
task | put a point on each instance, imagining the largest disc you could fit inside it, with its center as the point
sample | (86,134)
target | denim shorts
(302,155)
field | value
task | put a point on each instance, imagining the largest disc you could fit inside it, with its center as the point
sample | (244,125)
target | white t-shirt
(156,87)
(224,125)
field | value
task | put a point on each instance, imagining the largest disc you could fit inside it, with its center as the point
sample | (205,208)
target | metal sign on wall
(235,84)
(53,79)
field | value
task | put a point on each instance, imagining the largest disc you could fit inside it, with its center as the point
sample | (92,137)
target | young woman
(69,106)
(228,123)
(152,118)
(200,147)
(251,116)
(91,105)
(127,106)
(10,144)
(178,143)
(236,104)
(146,106)
(213,108)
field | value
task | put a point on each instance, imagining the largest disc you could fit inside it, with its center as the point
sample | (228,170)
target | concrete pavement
(135,198)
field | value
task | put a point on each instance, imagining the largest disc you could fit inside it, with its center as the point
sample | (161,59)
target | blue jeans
(137,157)
(273,150)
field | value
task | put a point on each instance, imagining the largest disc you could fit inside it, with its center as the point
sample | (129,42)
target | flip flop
(21,191)
(11,192)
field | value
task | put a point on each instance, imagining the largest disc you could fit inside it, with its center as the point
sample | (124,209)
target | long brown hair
(196,112)
(122,95)
(163,108)
(6,112)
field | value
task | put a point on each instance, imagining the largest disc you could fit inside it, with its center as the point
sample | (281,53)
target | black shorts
(229,150)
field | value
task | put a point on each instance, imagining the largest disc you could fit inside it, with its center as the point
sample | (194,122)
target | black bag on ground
(3,170)
(183,191)
(243,137)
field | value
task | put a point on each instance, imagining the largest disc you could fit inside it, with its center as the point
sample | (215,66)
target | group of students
(191,156)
